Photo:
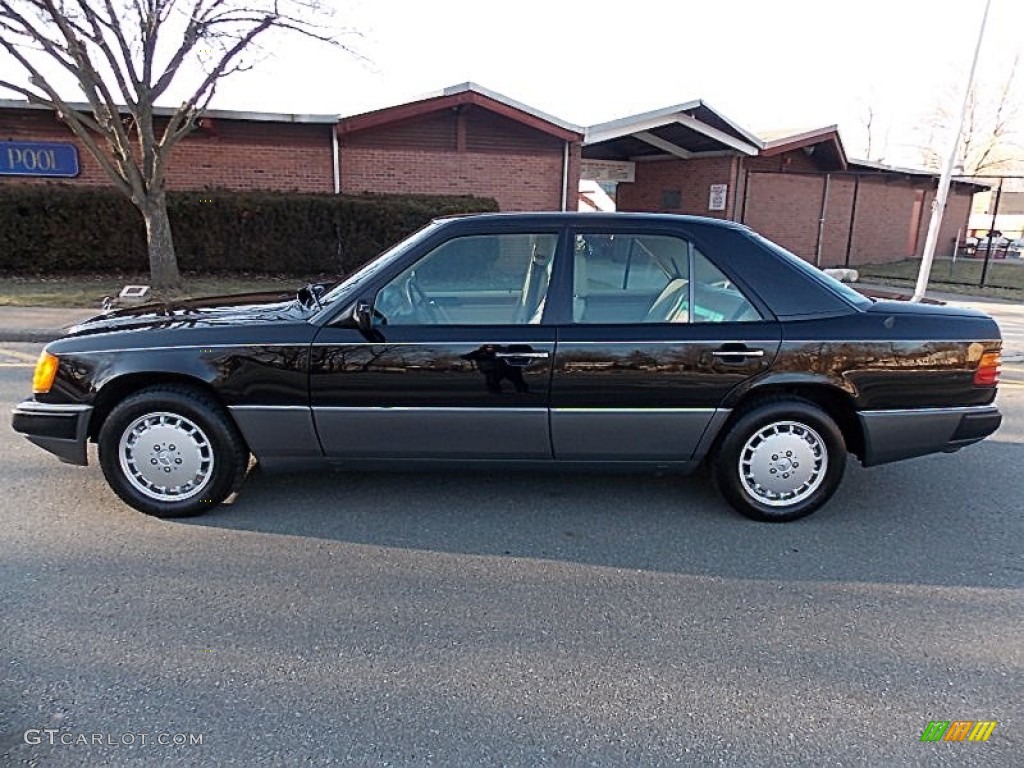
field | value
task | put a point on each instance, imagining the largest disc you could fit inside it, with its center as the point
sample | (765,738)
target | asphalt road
(505,619)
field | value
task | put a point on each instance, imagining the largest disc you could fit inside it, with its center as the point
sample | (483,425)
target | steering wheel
(425,308)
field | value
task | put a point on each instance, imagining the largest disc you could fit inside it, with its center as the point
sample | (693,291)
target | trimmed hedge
(56,229)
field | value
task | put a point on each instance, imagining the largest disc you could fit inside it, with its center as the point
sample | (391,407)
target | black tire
(209,463)
(780,460)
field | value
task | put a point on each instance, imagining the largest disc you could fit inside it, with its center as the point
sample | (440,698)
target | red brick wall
(518,183)
(692,179)
(785,207)
(518,166)
(958,211)
(233,154)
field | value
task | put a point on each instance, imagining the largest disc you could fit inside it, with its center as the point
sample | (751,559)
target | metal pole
(565,176)
(991,234)
(821,221)
(956,250)
(335,164)
(746,196)
(853,219)
(939,203)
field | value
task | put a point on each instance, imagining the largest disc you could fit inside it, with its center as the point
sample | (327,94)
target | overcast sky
(767,64)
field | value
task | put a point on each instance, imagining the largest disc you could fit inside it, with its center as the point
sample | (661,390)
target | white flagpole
(939,204)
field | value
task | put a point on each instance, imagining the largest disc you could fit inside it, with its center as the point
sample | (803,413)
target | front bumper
(62,429)
(903,434)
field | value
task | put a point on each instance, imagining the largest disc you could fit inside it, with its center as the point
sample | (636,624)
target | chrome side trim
(633,410)
(269,407)
(633,342)
(960,409)
(165,348)
(35,407)
(423,409)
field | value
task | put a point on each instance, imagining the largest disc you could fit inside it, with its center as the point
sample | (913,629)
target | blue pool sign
(38,158)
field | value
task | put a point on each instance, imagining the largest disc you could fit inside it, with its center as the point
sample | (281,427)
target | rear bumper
(58,428)
(903,434)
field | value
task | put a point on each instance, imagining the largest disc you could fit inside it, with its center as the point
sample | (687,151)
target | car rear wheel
(171,452)
(780,461)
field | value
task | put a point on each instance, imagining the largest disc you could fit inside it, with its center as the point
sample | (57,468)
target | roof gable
(457,96)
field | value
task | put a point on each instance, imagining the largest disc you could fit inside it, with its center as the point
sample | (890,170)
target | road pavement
(510,619)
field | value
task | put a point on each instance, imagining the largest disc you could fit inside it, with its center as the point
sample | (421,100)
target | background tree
(993,127)
(124,56)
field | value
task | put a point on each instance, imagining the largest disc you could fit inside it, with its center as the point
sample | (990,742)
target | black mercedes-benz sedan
(598,341)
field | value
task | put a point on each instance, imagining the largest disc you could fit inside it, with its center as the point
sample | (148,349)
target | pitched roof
(682,130)
(825,140)
(458,95)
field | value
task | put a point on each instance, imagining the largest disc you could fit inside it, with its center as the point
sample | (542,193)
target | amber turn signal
(46,372)
(987,374)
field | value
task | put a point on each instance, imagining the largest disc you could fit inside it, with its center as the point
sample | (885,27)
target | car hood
(242,309)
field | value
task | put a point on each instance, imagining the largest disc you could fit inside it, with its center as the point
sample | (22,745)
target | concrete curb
(30,335)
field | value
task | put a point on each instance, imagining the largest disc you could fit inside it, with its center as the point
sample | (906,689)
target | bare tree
(869,129)
(993,127)
(124,55)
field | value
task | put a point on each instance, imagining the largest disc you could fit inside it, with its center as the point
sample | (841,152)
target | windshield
(846,292)
(375,265)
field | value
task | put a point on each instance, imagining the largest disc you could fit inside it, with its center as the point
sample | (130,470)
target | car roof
(575,217)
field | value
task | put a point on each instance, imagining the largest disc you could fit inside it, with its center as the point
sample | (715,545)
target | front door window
(478,280)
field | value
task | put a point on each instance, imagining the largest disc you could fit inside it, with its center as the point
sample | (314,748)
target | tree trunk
(163,264)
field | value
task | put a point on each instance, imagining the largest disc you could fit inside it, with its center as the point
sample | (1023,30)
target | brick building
(800,190)
(229,150)
(466,140)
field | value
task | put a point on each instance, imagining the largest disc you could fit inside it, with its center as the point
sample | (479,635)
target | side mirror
(362,315)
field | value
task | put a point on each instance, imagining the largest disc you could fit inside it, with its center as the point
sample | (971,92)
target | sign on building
(608,170)
(38,158)
(716,198)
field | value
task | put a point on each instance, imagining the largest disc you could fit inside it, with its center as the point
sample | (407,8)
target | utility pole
(939,204)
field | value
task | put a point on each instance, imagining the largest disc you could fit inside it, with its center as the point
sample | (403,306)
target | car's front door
(457,364)
(653,339)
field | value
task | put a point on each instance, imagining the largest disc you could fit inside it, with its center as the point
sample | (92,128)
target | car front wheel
(780,461)
(171,452)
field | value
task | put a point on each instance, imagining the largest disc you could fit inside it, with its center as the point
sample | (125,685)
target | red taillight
(987,374)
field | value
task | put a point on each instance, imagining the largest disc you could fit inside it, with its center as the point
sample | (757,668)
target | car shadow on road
(930,520)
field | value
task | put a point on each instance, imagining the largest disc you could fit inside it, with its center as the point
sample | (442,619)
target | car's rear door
(650,342)
(458,364)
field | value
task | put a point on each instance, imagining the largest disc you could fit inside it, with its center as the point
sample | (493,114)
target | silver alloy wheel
(165,456)
(783,463)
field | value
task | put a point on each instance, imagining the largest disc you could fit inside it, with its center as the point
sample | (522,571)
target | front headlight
(46,372)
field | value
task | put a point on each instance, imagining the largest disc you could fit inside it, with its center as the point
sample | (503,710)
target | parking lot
(511,619)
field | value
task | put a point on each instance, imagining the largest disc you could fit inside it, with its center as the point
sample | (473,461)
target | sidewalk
(39,324)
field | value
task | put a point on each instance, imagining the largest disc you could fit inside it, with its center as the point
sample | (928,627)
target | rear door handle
(738,353)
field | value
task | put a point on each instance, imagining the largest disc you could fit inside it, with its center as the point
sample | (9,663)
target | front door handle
(529,355)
